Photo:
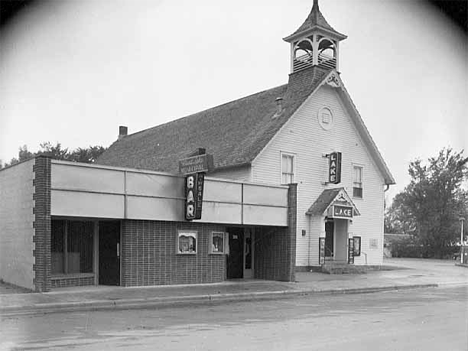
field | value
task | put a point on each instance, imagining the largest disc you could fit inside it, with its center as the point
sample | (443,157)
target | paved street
(421,319)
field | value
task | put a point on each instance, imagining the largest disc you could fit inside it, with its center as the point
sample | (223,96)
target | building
(297,183)
(286,135)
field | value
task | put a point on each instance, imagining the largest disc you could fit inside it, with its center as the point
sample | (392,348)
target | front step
(342,268)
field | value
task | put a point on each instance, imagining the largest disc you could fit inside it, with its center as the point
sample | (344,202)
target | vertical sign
(350,251)
(194,195)
(334,169)
(321,251)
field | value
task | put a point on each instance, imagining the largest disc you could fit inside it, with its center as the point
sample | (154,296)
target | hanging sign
(345,212)
(196,164)
(194,184)
(334,168)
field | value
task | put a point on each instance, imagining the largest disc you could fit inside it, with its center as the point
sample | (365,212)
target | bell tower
(315,43)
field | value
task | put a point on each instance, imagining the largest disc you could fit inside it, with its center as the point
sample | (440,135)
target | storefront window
(357,245)
(72,246)
(57,245)
(217,242)
(187,242)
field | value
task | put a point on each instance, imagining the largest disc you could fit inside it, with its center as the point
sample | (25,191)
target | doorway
(235,259)
(329,238)
(109,253)
(248,253)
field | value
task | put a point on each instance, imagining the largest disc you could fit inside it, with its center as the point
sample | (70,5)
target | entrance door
(109,253)
(329,242)
(235,259)
(248,254)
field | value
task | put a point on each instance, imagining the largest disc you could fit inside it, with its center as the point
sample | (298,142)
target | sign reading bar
(194,184)
(334,169)
(196,164)
(342,212)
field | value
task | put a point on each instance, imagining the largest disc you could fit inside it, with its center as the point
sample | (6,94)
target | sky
(72,71)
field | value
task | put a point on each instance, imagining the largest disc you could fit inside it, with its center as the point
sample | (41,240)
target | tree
(23,155)
(85,155)
(54,151)
(430,206)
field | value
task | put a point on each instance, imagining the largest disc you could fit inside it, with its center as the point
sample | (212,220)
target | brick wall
(42,223)
(149,255)
(72,281)
(275,248)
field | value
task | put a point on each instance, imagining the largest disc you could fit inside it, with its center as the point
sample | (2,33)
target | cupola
(315,43)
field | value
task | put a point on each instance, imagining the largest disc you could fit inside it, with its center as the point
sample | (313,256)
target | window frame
(66,247)
(294,162)
(223,235)
(361,183)
(180,232)
(357,245)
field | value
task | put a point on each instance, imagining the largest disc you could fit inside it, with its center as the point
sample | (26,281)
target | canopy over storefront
(334,203)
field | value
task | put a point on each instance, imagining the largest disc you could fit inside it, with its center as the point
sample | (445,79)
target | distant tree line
(86,155)
(431,205)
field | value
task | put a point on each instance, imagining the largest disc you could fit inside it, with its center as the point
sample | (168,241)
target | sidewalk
(399,274)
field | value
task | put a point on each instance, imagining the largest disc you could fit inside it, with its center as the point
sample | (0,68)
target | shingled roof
(329,196)
(315,20)
(234,133)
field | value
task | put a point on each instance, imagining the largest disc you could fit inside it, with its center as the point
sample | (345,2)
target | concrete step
(342,269)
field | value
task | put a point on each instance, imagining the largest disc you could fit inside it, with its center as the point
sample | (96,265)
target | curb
(181,301)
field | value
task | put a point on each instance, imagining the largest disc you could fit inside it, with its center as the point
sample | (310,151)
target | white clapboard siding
(241,174)
(303,136)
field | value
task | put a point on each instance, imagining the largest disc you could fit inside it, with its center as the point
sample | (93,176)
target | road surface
(422,319)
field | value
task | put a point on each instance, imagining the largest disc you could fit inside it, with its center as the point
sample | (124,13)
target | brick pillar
(291,232)
(42,223)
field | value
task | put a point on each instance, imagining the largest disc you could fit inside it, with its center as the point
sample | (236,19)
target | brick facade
(63,282)
(149,254)
(42,223)
(275,248)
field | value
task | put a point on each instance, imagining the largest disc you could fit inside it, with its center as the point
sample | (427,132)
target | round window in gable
(325,118)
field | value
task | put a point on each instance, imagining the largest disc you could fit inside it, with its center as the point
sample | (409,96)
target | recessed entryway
(109,252)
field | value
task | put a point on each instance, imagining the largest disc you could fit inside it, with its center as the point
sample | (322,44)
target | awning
(334,203)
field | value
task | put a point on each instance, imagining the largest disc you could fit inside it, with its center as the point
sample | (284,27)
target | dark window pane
(357,192)
(56,245)
(80,247)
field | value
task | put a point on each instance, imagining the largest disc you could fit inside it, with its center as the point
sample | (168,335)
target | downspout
(310,235)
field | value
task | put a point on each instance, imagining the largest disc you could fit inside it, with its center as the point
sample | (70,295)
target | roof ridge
(205,110)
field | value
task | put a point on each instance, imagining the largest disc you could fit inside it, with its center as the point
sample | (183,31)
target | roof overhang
(334,203)
(315,29)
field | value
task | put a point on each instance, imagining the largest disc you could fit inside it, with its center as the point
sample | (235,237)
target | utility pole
(461,240)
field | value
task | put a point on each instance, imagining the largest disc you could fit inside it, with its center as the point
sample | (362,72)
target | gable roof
(313,21)
(234,133)
(327,198)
